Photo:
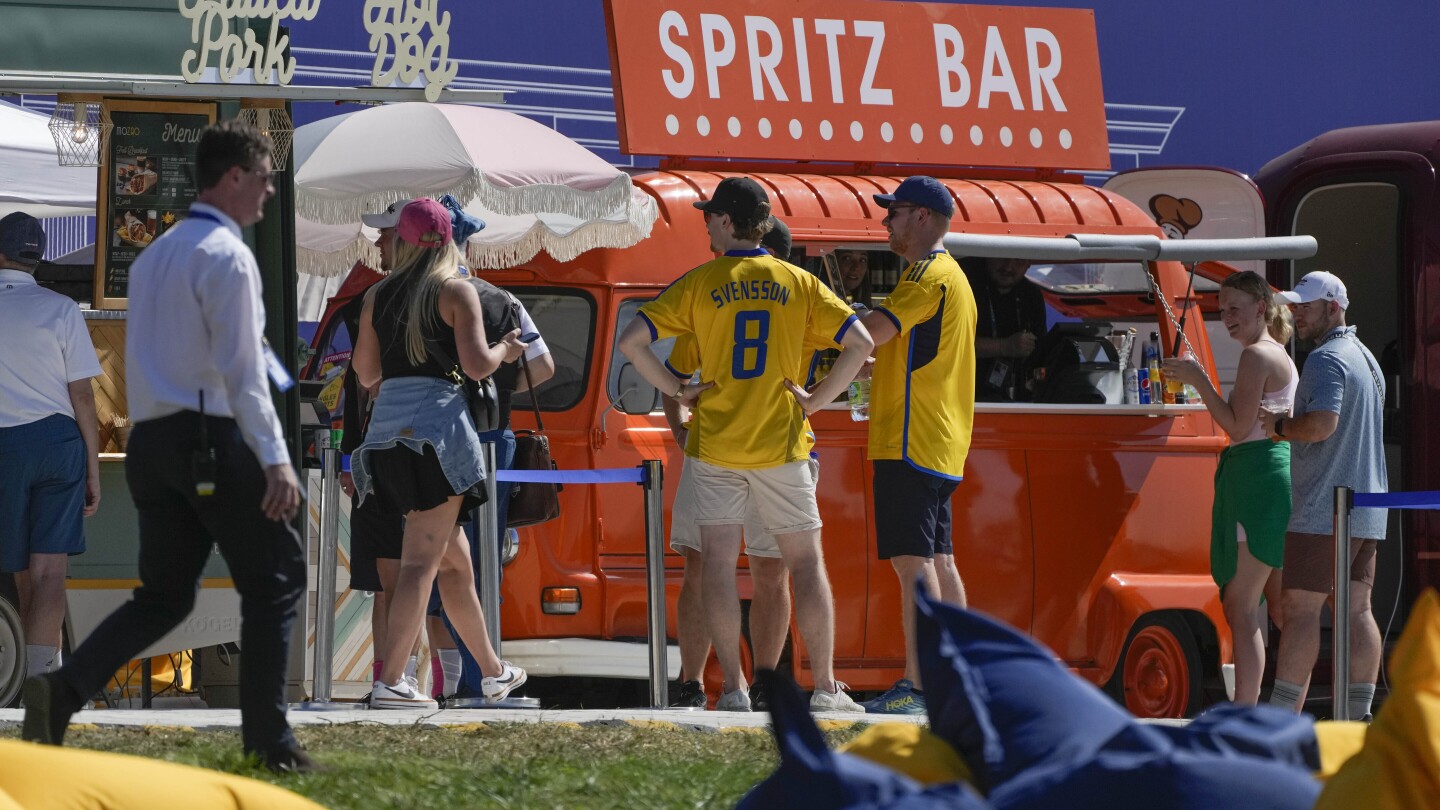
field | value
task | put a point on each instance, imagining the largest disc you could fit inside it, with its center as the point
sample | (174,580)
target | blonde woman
(1252,481)
(421,456)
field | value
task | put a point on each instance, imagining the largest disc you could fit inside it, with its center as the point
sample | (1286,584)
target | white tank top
(1283,398)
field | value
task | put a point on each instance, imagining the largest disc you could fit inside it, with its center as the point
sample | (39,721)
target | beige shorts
(775,500)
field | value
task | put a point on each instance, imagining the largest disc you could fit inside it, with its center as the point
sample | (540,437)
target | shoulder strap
(530,389)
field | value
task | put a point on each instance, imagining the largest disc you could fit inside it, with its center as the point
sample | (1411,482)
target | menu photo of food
(136,175)
(137,228)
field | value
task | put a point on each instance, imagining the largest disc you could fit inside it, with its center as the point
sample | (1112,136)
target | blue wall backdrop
(1226,82)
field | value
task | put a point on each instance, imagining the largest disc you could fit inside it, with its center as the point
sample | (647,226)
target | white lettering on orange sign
(765,55)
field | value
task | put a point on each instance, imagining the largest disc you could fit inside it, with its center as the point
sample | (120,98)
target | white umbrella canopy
(535,189)
(506,241)
(363,161)
(31,179)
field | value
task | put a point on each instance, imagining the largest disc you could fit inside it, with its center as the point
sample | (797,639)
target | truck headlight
(510,546)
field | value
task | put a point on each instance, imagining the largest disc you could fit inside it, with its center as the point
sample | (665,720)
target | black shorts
(374,534)
(912,511)
(406,481)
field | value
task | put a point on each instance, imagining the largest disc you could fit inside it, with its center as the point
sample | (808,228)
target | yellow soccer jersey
(685,361)
(750,314)
(922,395)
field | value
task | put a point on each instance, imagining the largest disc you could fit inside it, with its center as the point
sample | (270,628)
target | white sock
(411,666)
(1286,695)
(1359,697)
(40,659)
(450,665)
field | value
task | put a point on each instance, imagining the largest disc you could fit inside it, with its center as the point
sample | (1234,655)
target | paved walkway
(218,719)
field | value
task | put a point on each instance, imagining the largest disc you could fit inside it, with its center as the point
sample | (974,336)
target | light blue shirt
(196,323)
(1340,377)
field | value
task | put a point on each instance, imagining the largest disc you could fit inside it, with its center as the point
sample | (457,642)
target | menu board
(147,182)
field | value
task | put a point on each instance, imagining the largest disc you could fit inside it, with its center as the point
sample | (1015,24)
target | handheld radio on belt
(203,462)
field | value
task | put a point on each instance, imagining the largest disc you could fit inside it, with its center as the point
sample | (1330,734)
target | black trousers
(177,531)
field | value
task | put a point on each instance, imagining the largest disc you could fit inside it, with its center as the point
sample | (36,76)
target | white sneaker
(737,701)
(400,696)
(499,687)
(837,701)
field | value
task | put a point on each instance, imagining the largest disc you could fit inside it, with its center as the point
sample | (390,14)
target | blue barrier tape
(1397,500)
(622,475)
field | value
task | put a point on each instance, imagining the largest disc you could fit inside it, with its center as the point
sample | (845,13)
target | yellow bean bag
(1338,740)
(911,750)
(43,777)
(1399,766)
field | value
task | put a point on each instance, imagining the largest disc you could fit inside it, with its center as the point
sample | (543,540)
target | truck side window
(661,347)
(566,321)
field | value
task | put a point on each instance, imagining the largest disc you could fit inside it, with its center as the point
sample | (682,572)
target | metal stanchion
(487,529)
(1340,624)
(328,445)
(655,581)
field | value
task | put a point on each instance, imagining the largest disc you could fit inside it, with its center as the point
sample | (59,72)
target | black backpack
(1078,365)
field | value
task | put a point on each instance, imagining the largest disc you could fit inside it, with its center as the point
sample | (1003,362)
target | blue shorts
(912,511)
(42,491)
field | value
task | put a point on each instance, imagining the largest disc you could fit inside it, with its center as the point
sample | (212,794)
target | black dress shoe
(48,706)
(293,760)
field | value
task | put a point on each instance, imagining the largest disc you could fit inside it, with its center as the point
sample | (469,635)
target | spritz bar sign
(398,37)
(859,80)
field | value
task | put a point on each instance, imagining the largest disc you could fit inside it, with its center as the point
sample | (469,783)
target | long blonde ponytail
(1278,321)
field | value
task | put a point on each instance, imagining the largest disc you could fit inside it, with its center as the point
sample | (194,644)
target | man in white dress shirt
(49,439)
(207,461)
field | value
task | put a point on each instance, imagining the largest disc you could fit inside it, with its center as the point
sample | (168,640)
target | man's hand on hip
(282,493)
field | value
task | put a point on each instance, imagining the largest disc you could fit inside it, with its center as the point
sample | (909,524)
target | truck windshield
(566,320)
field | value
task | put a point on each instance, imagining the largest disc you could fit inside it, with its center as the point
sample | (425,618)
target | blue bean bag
(1037,736)
(813,777)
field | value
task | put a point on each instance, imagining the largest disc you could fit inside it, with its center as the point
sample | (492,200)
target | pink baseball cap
(423,217)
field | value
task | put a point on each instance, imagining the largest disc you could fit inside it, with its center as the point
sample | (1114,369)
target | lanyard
(206,215)
(1347,332)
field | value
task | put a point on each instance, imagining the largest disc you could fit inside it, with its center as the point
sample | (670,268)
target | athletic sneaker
(737,701)
(898,699)
(759,697)
(499,687)
(837,701)
(690,695)
(400,696)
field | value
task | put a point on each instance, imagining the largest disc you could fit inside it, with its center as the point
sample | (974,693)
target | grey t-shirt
(1342,377)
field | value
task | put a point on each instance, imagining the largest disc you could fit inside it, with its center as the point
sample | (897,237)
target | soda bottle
(1152,360)
(860,400)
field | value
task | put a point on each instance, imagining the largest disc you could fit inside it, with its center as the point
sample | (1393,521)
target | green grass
(519,765)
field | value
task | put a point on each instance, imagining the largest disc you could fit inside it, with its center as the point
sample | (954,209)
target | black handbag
(532,503)
(481,397)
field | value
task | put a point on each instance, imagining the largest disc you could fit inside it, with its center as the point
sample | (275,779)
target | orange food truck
(1084,523)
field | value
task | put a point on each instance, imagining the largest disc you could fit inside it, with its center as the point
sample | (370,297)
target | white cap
(1317,286)
(388,218)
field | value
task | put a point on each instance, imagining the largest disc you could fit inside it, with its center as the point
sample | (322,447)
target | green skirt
(1252,489)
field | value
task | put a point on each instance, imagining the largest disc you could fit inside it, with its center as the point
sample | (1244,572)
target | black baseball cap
(22,239)
(740,197)
(777,240)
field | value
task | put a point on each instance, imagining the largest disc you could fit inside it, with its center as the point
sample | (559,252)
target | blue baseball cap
(463,224)
(22,239)
(926,192)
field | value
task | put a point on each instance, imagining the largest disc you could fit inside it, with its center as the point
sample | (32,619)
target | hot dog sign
(859,81)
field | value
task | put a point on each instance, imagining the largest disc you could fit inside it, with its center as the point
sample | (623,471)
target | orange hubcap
(1157,677)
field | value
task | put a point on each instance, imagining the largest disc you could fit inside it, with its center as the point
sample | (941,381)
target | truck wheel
(1159,673)
(12,654)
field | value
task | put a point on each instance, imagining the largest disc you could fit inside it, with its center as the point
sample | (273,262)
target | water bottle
(1157,379)
(1132,387)
(860,400)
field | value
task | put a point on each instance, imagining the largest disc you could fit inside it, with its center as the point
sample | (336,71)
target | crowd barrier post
(655,581)
(489,555)
(328,445)
(1340,623)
